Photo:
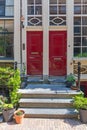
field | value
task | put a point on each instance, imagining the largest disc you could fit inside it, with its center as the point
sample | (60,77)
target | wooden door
(34,52)
(57,53)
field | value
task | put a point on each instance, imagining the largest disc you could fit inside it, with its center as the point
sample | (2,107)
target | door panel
(34,52)
(57,53)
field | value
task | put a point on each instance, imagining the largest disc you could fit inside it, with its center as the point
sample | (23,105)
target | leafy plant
(19,113)
(6,106)
(10,80)
(80,102)
(71,78)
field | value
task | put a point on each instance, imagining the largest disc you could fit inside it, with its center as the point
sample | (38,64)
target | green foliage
(19,113)
(81,55)
(10,78)
(71,78)
(80,102)
(6,106)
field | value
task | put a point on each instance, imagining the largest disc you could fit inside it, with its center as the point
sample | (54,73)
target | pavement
(44,124)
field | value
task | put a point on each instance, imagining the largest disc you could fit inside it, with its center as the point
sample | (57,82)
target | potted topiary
(8,111)
(80,103)
(18,116)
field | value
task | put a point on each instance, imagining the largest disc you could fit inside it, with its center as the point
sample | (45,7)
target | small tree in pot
(8,111)
(80,103)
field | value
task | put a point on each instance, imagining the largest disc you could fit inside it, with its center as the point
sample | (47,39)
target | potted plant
(8,111)
(18,116)
(80,103)
(71,81)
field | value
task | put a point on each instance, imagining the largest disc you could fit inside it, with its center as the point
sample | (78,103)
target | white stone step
(50,113)
(45,102)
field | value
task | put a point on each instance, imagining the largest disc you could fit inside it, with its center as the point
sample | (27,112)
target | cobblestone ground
(44,124)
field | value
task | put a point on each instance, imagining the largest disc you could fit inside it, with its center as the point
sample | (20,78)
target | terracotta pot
(19,118)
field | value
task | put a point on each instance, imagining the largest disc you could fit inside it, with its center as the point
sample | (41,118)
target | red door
(57,53)
(34,52)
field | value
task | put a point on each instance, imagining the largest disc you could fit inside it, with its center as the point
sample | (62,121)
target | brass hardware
(57,59)
(34,53)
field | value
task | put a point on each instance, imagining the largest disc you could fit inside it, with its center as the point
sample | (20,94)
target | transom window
(80,28)
(57,11)
(34,12)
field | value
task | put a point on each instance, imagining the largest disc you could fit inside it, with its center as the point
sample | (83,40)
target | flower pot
(83,115)
(8,114)
(19,118)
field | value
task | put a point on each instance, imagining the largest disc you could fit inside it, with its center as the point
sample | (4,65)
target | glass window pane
(77,30)
(84,1)
(34,21)
(77,51)
(53,1)
(2,2)
(84,20)
(30,1)
(84,9)
(62,1)
(30,10)
(84,30)
(2,45)
(53,9)
(9,11)
(77,1)
(62,9)
(2,10)
(77,20)
(9,2)
(9,25)
(77,9)
(38,10)
(84,41)
(84,51)
(38,1)
(1,25)
(9,45)
(77,41)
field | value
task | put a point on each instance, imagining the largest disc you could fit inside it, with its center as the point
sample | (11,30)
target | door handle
(57,59)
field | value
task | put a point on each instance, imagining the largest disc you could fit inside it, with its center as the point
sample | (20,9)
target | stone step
(47,93)
(45,102)
(50,113)
(50,80)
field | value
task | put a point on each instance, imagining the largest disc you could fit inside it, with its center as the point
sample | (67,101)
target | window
(6,8)
(34,12)
(80,28)
(57,12)
(6,38)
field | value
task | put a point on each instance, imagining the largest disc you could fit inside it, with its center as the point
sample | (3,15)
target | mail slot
(34,53)
(57,59)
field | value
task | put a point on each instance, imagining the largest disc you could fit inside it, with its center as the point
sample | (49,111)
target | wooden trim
(34,28)
(57,28)
(6,61)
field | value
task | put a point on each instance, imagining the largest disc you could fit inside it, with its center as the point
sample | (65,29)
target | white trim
(45,10)
(69,36)
(17,30)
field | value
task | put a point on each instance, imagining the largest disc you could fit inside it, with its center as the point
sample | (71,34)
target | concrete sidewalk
(44,124)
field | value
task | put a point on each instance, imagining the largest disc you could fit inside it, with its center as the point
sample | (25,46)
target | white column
(24,13)
(69,36)
(17,30)
(45,37)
